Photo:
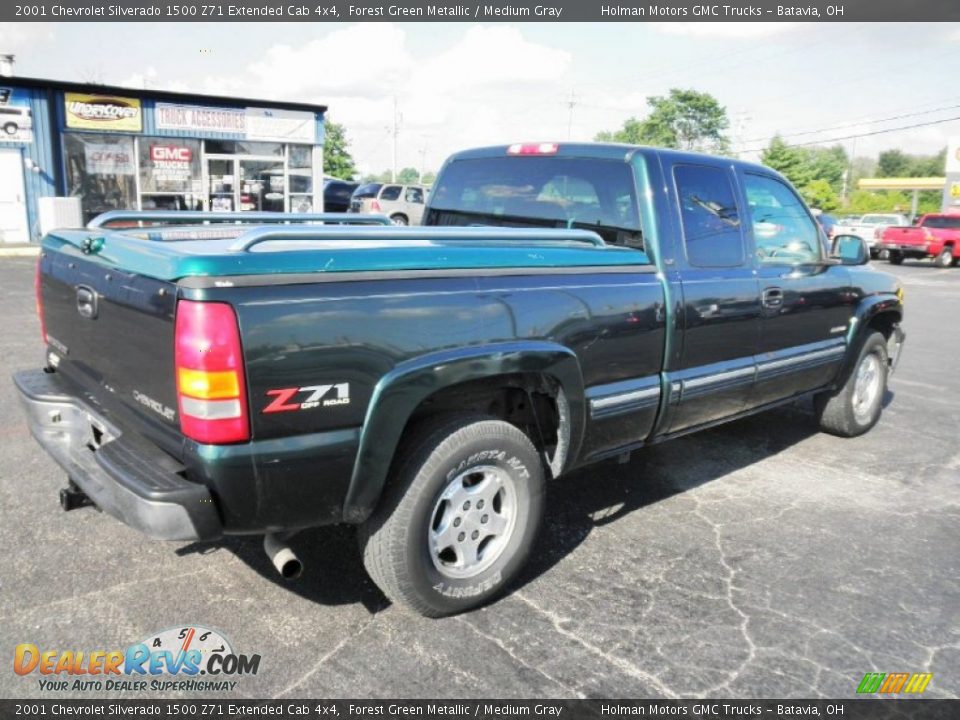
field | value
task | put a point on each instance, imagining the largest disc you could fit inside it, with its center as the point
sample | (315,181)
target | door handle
(773,297)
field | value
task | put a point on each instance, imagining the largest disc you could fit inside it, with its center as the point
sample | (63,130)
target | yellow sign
(103,112)
(955,190)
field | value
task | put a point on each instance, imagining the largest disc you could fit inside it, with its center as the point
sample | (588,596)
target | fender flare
(868,309)
(400,392)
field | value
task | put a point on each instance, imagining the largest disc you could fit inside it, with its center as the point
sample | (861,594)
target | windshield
(585,193)
(943,222)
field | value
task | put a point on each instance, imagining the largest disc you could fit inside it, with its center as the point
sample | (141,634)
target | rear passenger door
(807,300)
(720,315)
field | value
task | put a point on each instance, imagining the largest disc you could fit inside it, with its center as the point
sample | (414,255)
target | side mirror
(850,250)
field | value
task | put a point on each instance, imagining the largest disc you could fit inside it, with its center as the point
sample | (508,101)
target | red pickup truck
(934,236)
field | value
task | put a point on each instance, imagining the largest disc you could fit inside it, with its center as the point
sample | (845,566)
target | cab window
(711,220)
(783,231)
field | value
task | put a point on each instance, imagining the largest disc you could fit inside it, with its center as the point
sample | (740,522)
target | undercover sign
(102,112)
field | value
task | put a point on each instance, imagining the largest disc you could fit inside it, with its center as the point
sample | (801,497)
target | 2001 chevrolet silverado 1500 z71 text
(427,383)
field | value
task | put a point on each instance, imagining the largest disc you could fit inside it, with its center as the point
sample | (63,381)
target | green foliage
(684,119)
(820,194)
(805,166)
(337,160)
(408,175)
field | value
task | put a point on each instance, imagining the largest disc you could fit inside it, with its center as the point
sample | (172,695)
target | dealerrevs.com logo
(191,658)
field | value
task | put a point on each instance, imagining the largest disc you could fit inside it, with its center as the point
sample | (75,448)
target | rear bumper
(125,475)
(915,251)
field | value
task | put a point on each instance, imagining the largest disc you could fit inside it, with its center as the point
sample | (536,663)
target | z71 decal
(307,398)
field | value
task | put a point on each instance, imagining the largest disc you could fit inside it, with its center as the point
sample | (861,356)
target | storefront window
(170,174)
(101,171)
(242,147)
(300,168)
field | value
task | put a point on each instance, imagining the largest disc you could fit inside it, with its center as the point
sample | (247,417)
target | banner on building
(103,112)
(16,119)
(169,116)
(280,125)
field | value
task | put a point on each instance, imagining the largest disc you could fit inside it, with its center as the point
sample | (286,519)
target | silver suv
(403,204)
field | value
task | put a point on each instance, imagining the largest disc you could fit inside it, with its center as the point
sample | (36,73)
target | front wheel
(459,517)
(856,406)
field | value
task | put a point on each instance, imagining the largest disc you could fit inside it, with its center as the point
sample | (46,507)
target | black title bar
(487,12)
(194,709)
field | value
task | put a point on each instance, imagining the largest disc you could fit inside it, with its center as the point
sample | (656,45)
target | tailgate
(111,333)
(904,236)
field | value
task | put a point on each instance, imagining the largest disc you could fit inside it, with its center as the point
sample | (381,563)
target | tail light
(533,149)
(211,389)
(374,206)
(38,290)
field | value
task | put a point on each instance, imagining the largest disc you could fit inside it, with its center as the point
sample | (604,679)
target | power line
(866,134)
(856,124)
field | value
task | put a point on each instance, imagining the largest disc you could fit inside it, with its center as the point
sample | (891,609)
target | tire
(895,258)
(945,258)
(399,219)
(856,406)
(10,128)
(458,471)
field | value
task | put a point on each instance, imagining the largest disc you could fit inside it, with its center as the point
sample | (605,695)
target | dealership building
(70,151)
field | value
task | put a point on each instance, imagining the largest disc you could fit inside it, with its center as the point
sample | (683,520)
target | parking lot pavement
(759,559)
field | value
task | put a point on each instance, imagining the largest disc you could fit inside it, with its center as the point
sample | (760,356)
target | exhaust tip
(283,558)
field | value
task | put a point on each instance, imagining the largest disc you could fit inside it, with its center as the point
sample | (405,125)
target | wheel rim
(866,388)
(472,521)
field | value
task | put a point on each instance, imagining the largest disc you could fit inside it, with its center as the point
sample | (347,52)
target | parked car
(403,204)
(934,235)
(337,194)
(428,384)
(870,227)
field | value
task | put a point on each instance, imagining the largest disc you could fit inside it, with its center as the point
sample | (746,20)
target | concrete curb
(21,251)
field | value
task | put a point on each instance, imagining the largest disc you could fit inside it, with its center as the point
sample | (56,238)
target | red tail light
(38,290)
(208,359)
(375,206)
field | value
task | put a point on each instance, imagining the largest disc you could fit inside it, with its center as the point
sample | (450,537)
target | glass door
(261,185)
(222,178)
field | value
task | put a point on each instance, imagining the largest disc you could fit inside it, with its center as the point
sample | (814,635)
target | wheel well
(884,323)
(399,214)
(532,402)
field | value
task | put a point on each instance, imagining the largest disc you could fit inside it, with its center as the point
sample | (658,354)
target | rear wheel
(945,258)
(459,518)
(895,258)
(399,219)
(856,406)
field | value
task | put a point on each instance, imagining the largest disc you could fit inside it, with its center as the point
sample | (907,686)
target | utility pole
(423,159)
(396,139)
(571,103)
(740,119)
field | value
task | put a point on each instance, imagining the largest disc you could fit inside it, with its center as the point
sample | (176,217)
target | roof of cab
(603,151)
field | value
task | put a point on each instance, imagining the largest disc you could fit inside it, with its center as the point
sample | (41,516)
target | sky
(462,85)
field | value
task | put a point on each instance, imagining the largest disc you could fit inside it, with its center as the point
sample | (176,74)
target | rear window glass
(391,192)
(367,191)
(560,192)
(943,223)
(711,220)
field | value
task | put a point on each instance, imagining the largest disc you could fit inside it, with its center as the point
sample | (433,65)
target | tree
(337,160)
(893,163)
(820,194)
(408,175)
(684,119)
(789,161)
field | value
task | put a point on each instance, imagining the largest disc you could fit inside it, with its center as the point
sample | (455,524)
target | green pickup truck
(210,374)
